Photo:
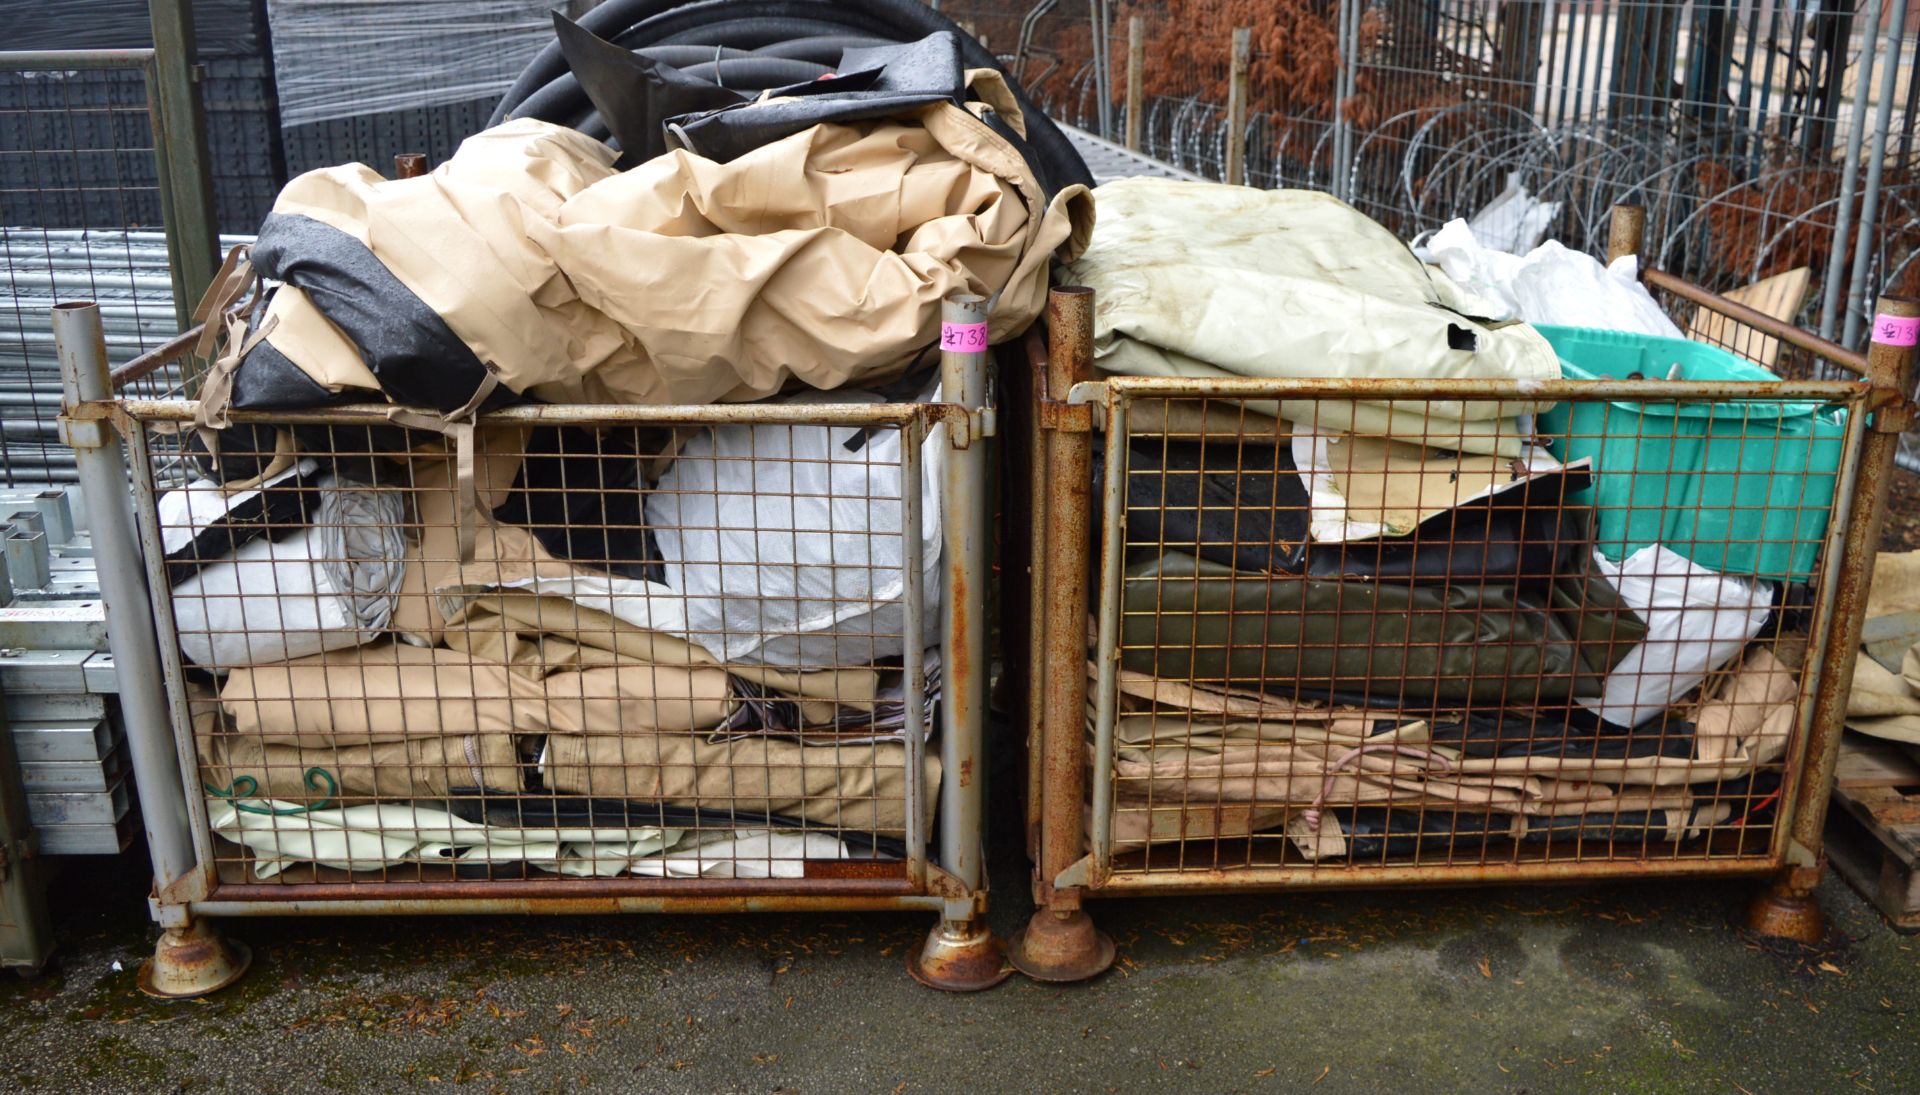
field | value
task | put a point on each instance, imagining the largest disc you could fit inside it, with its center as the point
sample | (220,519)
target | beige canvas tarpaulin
(1885,704)
(389,771)
(1203,280)
(859,787)
(1232,765)
(538,634)
(822,257)
(393,691)
(502,553)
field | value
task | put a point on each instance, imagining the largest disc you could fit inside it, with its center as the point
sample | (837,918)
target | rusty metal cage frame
(1077,542)
(110,418)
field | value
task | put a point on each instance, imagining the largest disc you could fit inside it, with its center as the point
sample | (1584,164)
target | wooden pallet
(1873,829)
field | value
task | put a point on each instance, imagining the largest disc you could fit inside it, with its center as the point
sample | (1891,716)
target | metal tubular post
(180,138)
(1856,298)
(1060,942)
(1237,72)
(190,960)
(961,954)
(1136,79)
(1626,231)
(1036,577)
(1343,92)
(1788,909)
(1102,75)
(1849,176)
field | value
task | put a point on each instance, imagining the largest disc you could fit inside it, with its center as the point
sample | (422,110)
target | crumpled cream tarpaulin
(1204,280)
(821,257)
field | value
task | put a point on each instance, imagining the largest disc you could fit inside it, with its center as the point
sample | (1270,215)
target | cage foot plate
(1060,948)
(194,960)
(1791,916)
(960,956)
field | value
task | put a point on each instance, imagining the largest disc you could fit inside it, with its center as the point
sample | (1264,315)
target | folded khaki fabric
(861,787)
(419,768)
(393,692)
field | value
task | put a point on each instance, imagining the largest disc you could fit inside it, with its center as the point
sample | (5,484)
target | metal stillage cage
(1375,632)
(548,658)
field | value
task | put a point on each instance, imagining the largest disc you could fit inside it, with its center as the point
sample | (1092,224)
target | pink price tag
(966,338)
(1896,330)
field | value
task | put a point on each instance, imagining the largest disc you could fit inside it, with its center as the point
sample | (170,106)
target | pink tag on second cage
(1896,330)
(966,338)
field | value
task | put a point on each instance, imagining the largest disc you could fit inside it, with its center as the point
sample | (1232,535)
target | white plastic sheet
(346,58)
(1697,621)
(1549,284)
(788,543)
(371,836)
(329,586)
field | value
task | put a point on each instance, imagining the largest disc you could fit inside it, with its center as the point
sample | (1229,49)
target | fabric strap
(457,426)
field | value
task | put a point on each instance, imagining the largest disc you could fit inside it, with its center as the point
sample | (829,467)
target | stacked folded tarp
(666,651)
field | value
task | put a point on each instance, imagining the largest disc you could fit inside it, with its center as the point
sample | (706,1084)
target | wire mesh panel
(1520,628)
(1744,128)
(81,217)
(570,645)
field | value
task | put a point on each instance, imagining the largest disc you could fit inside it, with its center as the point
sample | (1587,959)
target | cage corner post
(961,954)
(1788,909)
(1060,942)
(192,958)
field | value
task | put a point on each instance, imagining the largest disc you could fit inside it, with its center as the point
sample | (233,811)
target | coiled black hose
(763,30)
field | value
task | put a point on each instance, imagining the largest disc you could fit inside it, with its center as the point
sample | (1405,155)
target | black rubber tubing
(757,73)
(562,101)
(824,49)
(654,21)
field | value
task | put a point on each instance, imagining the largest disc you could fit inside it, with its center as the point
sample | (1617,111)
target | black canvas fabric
(1188,619)
(546,810)
(1241,503)
(275,512)
(417,359)
(581,494)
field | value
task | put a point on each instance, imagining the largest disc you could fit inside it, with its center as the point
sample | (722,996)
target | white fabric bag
(788,543)
(1697,621)
(330,586)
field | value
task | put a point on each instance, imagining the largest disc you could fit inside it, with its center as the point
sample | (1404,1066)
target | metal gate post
(1788,909)
(1060,942)
(191,958)
(180,146)
(1626,231)
(961,954)
(1136,81)
(1238,67)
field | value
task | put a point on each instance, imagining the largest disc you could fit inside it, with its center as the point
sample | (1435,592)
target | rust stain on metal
(1899,813)
(959,956)
(1759,321)
(1890,370)
(190,961)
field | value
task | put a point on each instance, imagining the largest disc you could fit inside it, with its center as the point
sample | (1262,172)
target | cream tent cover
(1203,280)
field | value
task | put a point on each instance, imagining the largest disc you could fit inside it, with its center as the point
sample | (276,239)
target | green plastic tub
(1741,487)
